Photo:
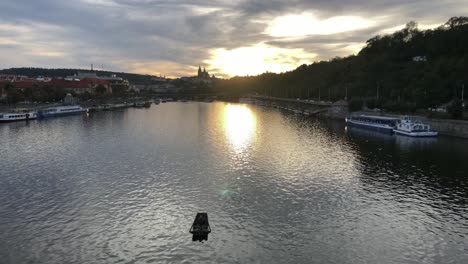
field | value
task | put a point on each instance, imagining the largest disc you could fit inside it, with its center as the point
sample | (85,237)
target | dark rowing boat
(200,227)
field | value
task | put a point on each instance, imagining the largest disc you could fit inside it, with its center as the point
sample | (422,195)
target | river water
(125,186)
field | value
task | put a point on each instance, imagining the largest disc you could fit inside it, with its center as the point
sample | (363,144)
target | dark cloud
(171,37)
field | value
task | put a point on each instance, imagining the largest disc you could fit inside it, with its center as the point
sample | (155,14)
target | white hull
(413,128)
(12,117)
(416,134)
(61,111)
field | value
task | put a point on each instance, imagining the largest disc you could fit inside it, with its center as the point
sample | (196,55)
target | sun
(258,59)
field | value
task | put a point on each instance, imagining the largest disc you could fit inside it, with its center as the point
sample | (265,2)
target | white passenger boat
(11,117)
(413,128)
(61,111)
(379,123)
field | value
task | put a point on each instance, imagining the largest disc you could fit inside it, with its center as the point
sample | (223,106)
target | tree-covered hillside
(411,67)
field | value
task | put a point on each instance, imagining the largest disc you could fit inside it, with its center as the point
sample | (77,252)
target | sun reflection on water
(239,125)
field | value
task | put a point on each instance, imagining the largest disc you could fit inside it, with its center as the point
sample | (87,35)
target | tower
(199,71)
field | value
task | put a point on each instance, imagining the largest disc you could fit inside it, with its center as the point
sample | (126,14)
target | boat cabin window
(366,119)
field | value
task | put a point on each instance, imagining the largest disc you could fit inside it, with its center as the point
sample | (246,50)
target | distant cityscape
(83,82)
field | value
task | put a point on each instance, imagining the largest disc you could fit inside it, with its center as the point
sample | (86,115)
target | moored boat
(379,123)
(21,116)
(413,128)
(107,107)
(61,111)
(143,104)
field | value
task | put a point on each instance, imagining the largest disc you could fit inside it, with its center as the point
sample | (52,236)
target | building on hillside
(41,78)
(82,86)
(14,78)
(21,84)
(79,87)
(166,87)
(18,84)
(114,82)
(203,74)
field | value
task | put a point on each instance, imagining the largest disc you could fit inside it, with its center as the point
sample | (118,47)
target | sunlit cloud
(229,37)
(108,3)
(258,59)
(164,68)
(308,24)
(354,48)
(400,27)
(47,53)
(6,41)
(197,10)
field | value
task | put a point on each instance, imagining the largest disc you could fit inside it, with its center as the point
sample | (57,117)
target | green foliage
(455,109)
(14,96)
(410,69)
(399,107)
(8,86)
(355,104)
(119,90)
(34,94)
(100,89)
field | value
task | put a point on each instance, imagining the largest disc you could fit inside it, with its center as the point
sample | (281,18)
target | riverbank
(86,104)
(339,111)
(446,127)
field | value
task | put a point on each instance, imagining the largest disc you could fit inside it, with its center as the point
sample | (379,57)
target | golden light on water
(239,125)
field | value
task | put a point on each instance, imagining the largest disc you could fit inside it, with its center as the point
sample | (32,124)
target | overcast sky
(229,38)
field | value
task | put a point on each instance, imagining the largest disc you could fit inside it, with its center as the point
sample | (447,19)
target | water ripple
(124,187)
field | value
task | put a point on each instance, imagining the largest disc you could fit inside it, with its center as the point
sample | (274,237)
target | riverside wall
(456,128)
(447,127)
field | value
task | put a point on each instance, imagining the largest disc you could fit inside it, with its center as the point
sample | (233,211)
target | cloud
(252,60)
(306,24)
(173,37)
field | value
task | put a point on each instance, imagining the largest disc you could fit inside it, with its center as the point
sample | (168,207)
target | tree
(456,21)
(8,86)
(14,96)
(100,89)
(455,109)
(355,104)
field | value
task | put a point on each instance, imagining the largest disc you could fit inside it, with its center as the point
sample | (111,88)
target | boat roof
(14,113)
(379,117)
(63,106)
